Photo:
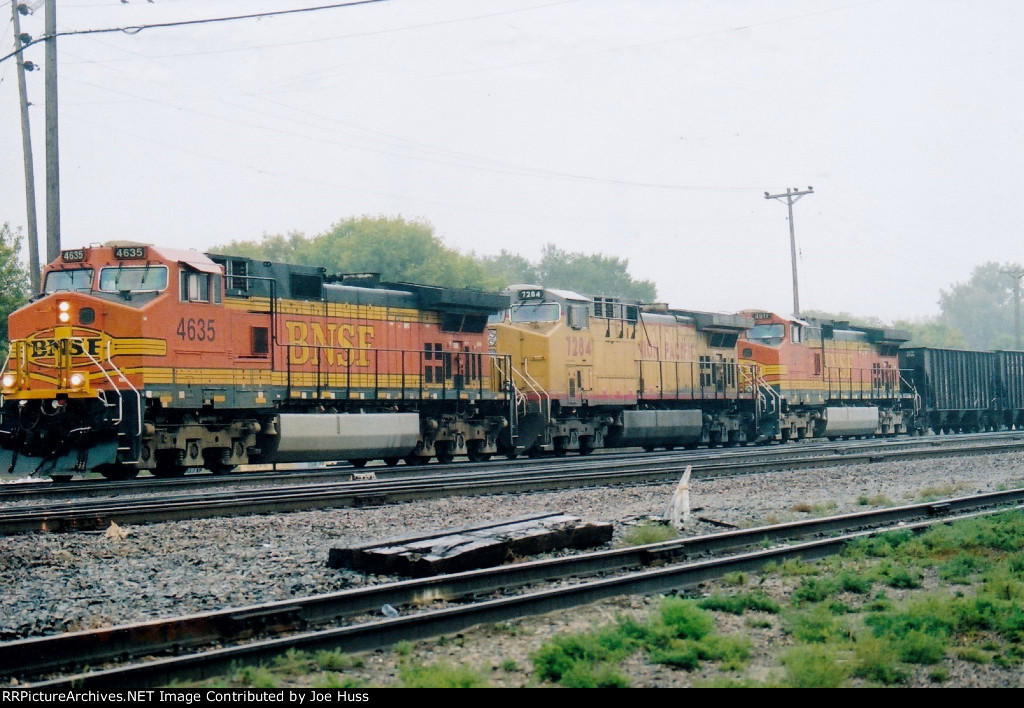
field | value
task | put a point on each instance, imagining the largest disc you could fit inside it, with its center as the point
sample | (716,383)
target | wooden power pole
(52,161)
(792,196)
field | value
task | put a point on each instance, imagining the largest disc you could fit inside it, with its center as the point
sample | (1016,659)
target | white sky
(644,129)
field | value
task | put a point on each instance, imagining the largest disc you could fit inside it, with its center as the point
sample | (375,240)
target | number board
(130,253)
(531,294)
(762,315)
(76,255)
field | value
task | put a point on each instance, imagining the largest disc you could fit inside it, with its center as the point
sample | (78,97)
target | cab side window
(200,287)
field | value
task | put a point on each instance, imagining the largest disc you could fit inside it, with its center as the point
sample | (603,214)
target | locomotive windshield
(133,279)
(535,312)
(74,279)
(768,334)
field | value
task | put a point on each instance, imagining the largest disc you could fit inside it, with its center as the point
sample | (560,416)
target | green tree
(508,268)
(14,278)
(398,249)
(592,274)
(402,250)
(983,307)
(932,332)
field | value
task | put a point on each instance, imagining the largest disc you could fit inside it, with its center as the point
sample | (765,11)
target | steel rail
(83,488)
(32,656)
(97,515)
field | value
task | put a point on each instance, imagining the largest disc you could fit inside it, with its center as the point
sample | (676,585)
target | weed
(902,577)
(877,660)
(817,625)
(941,491)
(333,660)
(738,604)
(440,675)
(648,533)
(850,581)
(920,647)
(558,657)
(814,667)
(737,578)
(814,590)
(975,656)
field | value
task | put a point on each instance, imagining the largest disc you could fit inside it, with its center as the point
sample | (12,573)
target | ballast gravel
(64,582)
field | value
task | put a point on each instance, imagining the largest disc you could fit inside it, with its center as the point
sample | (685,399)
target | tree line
(977,314)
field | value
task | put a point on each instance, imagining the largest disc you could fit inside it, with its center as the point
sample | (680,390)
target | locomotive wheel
(358,464)
(586,444)
(475,451)
(414,460)
(392,461)
(444,452)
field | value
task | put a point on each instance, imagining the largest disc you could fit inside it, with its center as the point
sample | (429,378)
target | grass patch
(939,491)
(738,604)
(814,667)
(648,533)
(440,675)
(877,660)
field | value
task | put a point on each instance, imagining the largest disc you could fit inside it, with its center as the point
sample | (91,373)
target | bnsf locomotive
(135,357)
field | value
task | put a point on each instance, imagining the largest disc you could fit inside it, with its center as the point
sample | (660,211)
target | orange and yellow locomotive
(135,357)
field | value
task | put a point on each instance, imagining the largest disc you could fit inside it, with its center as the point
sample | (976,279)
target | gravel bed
(64,582)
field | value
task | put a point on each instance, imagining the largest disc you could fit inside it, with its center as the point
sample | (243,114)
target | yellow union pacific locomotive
(135,357)
(602,372)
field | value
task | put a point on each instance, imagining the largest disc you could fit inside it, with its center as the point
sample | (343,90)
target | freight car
(135,357)
(966,391)
(827,378)
(603,372)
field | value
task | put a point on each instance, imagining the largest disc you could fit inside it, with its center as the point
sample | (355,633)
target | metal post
(26,140)
(792,196)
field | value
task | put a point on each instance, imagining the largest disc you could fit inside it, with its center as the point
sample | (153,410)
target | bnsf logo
(50,348)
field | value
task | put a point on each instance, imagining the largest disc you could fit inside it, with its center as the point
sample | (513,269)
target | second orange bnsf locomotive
(135,357)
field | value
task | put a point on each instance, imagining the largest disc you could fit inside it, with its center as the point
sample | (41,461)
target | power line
(135,29)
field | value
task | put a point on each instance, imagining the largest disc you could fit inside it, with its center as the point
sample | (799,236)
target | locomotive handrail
(543,397)
(764,392)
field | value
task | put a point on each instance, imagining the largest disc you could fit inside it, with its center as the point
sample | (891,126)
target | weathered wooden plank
(475,547)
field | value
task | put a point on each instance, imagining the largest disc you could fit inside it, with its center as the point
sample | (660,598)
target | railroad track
(96,514)
(196,646)
(87,487)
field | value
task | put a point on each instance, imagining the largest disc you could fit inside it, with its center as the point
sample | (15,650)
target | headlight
(8,381)
(65,311)
(76,380)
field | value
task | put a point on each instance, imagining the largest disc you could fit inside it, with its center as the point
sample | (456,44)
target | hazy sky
(644,129)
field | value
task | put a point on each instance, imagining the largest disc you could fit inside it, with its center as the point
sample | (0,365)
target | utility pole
(1016,275)
(792,196)
(26,141)
(52,162)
